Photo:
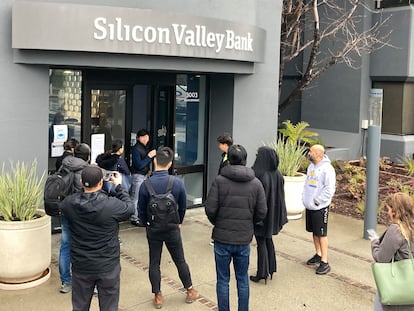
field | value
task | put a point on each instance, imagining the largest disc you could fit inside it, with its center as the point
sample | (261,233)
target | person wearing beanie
(94,218)
(141,160)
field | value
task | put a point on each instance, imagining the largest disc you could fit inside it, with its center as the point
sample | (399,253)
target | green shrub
(408,164)
(21,192)
(291,155)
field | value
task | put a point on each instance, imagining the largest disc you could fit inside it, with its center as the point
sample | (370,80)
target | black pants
(108,290)
(174,244)
(266,257)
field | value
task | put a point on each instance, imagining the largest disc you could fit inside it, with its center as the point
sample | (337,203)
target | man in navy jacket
(170,235)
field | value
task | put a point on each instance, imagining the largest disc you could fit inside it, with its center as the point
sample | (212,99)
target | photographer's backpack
(58,186)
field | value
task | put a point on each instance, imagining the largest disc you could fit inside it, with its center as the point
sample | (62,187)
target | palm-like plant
(296,133)
(21,192)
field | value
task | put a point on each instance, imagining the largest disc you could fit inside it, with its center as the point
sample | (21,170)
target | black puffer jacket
(236,201)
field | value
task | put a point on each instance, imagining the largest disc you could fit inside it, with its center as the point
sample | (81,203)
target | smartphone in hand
(372,234)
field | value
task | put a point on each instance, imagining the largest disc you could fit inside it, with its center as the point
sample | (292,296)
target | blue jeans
(64,255)
(240,254)
(136,182)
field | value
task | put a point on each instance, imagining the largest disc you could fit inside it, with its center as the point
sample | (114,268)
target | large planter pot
(293,195)
(25,251)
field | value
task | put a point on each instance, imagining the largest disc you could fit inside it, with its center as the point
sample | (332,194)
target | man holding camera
(94,218)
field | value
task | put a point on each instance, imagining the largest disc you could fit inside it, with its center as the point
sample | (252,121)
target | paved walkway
(296,287)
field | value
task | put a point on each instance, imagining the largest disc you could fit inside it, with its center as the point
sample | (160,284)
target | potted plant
(25,239)
(291,146)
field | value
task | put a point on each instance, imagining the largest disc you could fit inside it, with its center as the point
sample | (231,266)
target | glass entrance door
(163,116)
(107,115)
(189,143)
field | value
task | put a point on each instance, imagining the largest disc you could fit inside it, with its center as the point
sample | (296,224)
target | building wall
(248,106)
(393,68)
(256,96)
(24,102)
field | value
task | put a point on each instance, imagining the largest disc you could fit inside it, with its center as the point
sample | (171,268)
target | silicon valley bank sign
(72,27)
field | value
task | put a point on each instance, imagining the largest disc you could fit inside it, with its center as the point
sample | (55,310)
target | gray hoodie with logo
(319,185)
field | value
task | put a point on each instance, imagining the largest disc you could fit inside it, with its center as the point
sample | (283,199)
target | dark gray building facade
(101,70)
(337,104)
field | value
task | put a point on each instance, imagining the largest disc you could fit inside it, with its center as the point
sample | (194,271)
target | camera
(108,176)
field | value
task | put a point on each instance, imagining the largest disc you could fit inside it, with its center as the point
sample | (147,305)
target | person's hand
(179,226)
(116,178)
(152,153)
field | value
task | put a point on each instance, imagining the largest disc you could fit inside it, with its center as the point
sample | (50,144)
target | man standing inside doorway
(317,195)
(141,162)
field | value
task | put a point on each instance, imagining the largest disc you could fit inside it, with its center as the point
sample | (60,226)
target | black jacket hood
(239,173)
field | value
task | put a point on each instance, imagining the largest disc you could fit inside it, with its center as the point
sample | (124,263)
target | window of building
(65,102)
(397,107)
(382,4)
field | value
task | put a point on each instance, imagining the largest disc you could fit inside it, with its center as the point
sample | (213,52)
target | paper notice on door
(60,135)
(97,146)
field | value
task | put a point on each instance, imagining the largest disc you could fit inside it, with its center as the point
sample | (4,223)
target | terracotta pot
(293,195)
(25,251)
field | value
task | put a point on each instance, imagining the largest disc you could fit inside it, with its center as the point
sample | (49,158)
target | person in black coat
(235,202)
(265,169)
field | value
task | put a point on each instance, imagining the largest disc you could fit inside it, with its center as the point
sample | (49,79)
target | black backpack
(58,186)
(162,211)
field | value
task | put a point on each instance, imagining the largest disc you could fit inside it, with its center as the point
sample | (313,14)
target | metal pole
(372,178)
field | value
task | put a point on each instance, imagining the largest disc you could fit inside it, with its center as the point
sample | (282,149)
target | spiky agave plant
(21,191)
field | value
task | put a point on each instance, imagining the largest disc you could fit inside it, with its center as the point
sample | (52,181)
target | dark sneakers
(323,268)
(314,260)
(137,223)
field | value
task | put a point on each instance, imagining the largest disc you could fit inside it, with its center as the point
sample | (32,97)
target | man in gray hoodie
(317,195)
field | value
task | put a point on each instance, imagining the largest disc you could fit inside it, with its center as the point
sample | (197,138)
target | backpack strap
(170,183)
(151,190)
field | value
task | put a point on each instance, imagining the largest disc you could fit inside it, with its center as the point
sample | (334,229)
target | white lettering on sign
(197,36)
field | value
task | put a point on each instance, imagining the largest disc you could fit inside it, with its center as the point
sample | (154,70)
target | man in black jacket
(93,220)
(141,161)
(236,201)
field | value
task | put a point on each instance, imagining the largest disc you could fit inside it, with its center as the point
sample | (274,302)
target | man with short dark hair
(224,142)
(94,218)
(141,161)
(170,233)
(236,201)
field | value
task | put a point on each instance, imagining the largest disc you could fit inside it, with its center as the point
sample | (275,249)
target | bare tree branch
(325,33)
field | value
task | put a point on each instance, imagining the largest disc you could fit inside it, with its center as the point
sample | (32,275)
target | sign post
(373,155)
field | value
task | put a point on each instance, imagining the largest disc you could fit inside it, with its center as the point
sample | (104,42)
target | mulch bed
(345,204)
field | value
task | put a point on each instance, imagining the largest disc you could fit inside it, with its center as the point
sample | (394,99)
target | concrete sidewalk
(349,285)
